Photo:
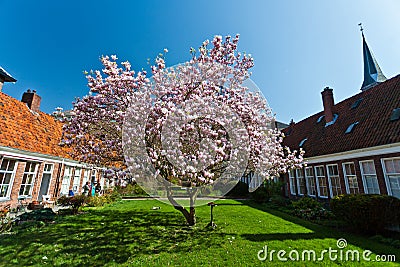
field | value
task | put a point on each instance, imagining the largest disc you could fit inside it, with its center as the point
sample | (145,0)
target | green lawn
(130,233)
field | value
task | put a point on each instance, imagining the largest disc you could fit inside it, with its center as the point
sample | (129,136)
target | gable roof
(5,76)
(374,126)
(31,131)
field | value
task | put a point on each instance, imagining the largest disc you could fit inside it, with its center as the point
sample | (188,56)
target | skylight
(351,127)
(356,103)
(302,142)
(320,118)
(335,116)
(395,114)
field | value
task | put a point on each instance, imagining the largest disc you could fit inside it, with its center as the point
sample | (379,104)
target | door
(44,187)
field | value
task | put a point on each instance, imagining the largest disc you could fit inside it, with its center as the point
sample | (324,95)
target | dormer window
(320,118)
(395,114)
(335,116)
(351,127)
(356,103)
(302,142)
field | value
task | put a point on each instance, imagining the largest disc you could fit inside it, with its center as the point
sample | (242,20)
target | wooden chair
(47,202)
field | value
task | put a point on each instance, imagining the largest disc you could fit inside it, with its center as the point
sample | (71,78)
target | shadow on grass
(105,236)
(319,232)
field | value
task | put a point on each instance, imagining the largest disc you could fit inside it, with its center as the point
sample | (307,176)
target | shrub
(306,203)
(280,201)
(109,196)
(130,190)
(268,189)
(112,196)
(241,189)
(310,209)
(75,202)
(96,201)
(273,188)
(367,213)
(260,195)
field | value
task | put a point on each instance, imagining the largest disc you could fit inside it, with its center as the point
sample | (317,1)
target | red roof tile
(374,127)
(23,129)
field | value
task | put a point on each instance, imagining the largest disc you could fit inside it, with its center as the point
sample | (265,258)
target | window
(334,180)
(395,114)
(392,176)
(350,178)
(77,180)
(321,181)
(66,180)
(310,181)
(335,116)
(302,142)
(301,183)
(86,174)
(351,127)
(93,178)
(291,182)
(46,179)
(370,180)
(356,103)
(28,179)
(7,173)
(320,118)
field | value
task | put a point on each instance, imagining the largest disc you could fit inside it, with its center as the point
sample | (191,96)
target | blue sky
(299,47)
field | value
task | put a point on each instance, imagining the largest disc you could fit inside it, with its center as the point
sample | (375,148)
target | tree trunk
(190,215)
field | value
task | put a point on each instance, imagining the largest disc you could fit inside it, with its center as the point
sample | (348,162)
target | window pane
(4,165)
(3,190)
(368,167)
(7,178)
(11,165)
(1,178)
(47,167)
(396,164)
(389,166)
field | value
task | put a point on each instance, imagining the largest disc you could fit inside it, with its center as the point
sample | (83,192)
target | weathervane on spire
(361,28)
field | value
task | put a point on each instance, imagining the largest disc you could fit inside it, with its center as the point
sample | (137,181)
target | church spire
(372,72)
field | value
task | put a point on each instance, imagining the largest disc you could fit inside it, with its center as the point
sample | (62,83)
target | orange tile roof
(23,129)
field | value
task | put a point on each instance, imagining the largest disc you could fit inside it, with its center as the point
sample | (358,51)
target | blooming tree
(192,125)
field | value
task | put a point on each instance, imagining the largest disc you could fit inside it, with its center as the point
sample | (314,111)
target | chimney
(327,100)
(32,100)
(1,83)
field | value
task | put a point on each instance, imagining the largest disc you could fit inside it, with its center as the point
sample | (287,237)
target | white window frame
(32,183)
(86,176)
(93,176)
(10,185)
(363,176)
(330,176)
(386,175)
(317,180)
(292,181)
(48,172)
(308,178)
(77,180)
(346,177)
(66,181)
(298,178)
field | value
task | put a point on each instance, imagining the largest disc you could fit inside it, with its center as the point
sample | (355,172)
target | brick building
(32,163)
(352,146)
